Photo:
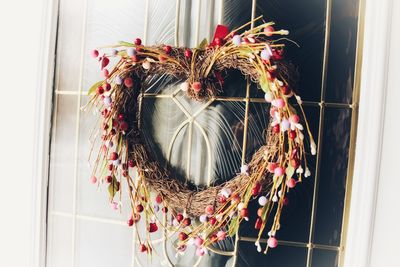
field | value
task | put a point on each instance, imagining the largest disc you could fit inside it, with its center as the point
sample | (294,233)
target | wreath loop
(199,214)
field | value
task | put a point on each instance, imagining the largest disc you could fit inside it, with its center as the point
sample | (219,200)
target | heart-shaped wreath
(213,213)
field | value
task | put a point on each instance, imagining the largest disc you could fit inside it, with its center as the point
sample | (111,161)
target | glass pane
(93,200)
(342,51)
(333,173)
(59,242)
(307,29)
(215,134)
(69,40)
(324,258)
(161,22)
(102,244)
(107,23)
(281,256)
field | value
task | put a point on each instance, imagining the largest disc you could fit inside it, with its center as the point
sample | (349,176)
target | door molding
(374,69)
(42,118)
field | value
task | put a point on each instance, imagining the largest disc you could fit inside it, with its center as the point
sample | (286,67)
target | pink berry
(221,235)
(198,241)
(114,205)
(196,86)
(128,82)
(209,209)
(272,242)
(105,73)
(95,53)
(279,171)
(279,103)
(294,118)
(269,30)
(93,179)
(291,183)
(272,166)
(167,49)
(188,53)
(200,252)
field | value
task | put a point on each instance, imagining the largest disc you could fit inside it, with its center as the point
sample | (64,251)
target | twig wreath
(201,216)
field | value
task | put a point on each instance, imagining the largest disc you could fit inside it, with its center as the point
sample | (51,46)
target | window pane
(333,174)
(324,258)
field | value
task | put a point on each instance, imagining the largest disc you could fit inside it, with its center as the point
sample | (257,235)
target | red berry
(212,220)
(110,167)
(95,53)
(107,86)
(161,58)
(109,179)
(158,199)
(276,129)
(142,248)
(187,222)
(139,208)
(117,185)
(135,58)
(153,227)
(196,86)
(114,156)
(286,90)
(121,117)
(295,163)
(128,82)
(221,199)
(131,163)
(292,135)
(258,224)
(167,49)
(123,126)
(104,62)
(256,189)
(285,201)
(105,73)
(138,41)
(244,213)
(188,53)
(130,222)
(179,217)
(182,236)
(235,198)
(277,54)
(99,90)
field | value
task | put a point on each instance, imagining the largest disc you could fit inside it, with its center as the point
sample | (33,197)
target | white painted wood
(43,107)
(370,132)
(27,44)
(386,234)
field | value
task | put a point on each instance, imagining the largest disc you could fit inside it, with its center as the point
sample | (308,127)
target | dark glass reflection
(342,51)
(333,173)
(324,258)
(279,257)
